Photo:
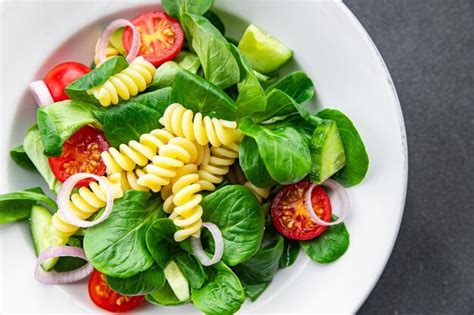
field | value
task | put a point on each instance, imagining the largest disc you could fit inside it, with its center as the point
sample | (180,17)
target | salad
(186,166)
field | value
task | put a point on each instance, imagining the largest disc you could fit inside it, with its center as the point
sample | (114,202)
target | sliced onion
(41,93)
(53,277)
(218,246)
(341,193)
(65,193)
(109,30)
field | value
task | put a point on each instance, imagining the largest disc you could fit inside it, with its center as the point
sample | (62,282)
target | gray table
(428,46)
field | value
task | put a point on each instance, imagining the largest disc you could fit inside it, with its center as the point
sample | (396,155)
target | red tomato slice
(61,75)
(81,153)
(161,37)
(104,297)
(289,214)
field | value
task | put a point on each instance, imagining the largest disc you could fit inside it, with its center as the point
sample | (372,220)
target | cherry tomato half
(289,214)
(81,153)
(104,297)
(61,75)
(161,37)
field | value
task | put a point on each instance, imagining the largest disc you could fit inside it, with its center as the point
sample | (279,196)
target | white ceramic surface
(349,74)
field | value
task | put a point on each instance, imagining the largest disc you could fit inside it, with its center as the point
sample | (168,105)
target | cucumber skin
(40,219)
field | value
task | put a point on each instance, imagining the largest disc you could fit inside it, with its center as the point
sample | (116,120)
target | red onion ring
(53,277)
(41,93)
(64,195)
(343,196)
(109,30)
(218,245)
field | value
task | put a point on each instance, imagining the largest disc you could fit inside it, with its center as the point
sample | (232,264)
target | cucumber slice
(43,235)
(327,151)
(177,281)
(165,296)
(266,53)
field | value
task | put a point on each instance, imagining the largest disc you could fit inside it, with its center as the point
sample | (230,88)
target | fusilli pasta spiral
(211,172)
(187,212)
(184,123)
(127,157)
(109,52)
(171,156)
(129,82)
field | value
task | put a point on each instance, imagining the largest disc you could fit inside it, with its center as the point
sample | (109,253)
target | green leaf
(20,157)
(188,61)
(81,88)
(251,97)
(165,296)
(290,253)
(192,270)
(252,164)
(17,205)
(279,106)
(219,64)
(161,244)
(236,211)
(283,150)
(357,160)
(216,21)
(117,247)
(35,151)
(298,86)
(222,293)
(253,291)
(199,95)
(116,40)
(59,121)
(328,247)
(175,8)
(145,282)
(69,263)
(164,75)
(263,265)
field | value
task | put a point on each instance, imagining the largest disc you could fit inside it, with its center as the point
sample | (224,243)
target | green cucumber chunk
(266,53)
(177,281)
(42,233)
(327,151)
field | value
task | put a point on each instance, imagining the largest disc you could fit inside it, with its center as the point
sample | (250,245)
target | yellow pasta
(167,191)
(187,212)
(109,52)
(184,123)
(129,82)
(171,157)
(211,172)
(260,193)
(141,152)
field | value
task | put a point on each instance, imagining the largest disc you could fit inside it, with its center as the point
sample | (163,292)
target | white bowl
(349,74)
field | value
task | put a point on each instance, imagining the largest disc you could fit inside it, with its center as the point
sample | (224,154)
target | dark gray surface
(428,46)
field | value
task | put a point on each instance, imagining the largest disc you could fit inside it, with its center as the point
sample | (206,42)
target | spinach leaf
(59,121)
(261,267)
(176,8)
(192,270)
(253,291)
(164,75)
(283,150)
(296,85)
(138,116)
(252,164)
(35,151)
(236,211)
(161,244)
(290,253)
(165,296)
(279,106)
(17,205)
(219,64)
(145,282)
(20,157)
(70,263)
(117,246)
(216,21)
(328,247)
(199,95)
(116,40)
(357,160)
(221,294)
(188,61)
(80,89)
(251,97)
